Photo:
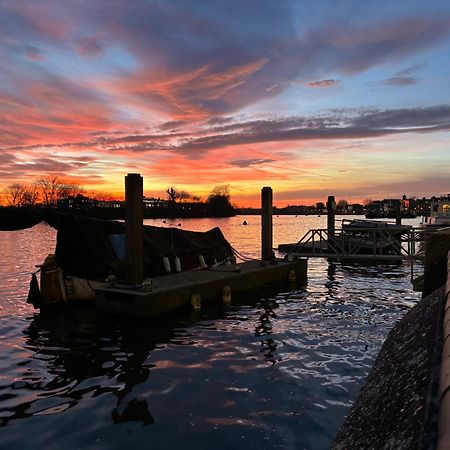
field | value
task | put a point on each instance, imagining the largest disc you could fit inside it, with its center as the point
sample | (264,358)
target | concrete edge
(444,382)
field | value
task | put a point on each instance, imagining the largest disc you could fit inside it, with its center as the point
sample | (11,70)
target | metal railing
(356,242)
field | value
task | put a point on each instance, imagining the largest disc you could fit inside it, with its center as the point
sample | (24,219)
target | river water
(277,370)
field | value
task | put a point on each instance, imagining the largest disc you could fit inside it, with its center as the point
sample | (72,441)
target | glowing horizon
(312,100)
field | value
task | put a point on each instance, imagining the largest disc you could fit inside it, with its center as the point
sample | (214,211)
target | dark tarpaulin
(12,219)
(85,247)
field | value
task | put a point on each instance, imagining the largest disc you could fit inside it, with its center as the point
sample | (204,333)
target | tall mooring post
(398,212)
(266,224)
(134,229)
(331,213)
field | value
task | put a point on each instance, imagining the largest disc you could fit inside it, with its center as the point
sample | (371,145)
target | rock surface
(397,406)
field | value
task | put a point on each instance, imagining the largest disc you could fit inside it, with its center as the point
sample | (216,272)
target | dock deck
(174,291)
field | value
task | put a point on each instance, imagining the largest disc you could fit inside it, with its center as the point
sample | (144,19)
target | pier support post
(266,224)
(134,229)
(331,212)
(398,213)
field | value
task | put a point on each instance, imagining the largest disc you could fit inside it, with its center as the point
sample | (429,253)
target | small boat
(90,254)
(439,214)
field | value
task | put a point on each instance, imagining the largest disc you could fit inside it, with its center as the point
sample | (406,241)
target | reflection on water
(277,370)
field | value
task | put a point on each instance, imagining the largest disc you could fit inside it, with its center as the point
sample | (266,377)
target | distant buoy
(196,301)
(166,264)
(177,264)
(226,294)
(164,221)
(201,261)
(244,222)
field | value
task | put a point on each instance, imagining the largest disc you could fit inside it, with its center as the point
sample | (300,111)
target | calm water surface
(274,371)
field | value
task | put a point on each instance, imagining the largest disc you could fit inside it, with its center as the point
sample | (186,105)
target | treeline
(51,192)
(45,192)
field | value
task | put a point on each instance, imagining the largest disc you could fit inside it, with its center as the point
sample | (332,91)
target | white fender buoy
(166,264)
(177,264)
(201,261)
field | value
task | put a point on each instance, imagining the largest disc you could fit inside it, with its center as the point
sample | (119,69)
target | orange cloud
(188,95)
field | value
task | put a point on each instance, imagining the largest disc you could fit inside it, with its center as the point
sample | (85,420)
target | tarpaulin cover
(91,247)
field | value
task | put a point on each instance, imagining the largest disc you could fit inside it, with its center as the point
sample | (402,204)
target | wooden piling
(267,253)
(134,229)
(398,213)
(331,213)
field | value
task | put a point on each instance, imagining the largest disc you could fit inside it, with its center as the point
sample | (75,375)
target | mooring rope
(241,256)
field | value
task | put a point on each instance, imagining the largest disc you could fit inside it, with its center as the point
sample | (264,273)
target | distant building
(76,202)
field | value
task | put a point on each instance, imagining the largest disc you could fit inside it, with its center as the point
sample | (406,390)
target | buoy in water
(196,301)
(244,222)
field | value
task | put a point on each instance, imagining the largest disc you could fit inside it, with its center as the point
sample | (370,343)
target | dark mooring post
(398,213)
(331,212)
(266,224)
(134,229)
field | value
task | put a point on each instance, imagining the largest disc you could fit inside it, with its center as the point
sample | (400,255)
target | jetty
(143,298)
(359,240)
(199,287)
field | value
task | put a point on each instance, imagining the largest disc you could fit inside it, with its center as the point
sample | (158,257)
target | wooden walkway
(360,243)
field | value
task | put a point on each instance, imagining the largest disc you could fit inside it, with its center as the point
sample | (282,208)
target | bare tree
(53,189)
(173,194)
(48,187)
(67,190)
(219,201)
(184,196)
(30,195)
(14,194)
(221,190)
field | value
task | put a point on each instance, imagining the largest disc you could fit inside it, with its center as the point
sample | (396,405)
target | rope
(241,256)
(18,275)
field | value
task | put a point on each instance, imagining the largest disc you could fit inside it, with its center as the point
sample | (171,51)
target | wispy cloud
(89,46)
(250,162)
(323,83)
(401,78)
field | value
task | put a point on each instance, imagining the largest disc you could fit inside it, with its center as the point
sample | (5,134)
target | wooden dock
(175,291)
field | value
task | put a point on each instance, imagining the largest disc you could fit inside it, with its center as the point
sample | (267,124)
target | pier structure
(362,240)
(167,293)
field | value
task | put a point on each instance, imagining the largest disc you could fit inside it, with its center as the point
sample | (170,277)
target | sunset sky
(313,98)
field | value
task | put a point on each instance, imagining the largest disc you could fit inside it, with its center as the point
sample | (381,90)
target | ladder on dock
(361,243)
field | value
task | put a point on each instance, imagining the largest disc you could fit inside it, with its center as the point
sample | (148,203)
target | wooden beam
(134,229)
(267,253)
